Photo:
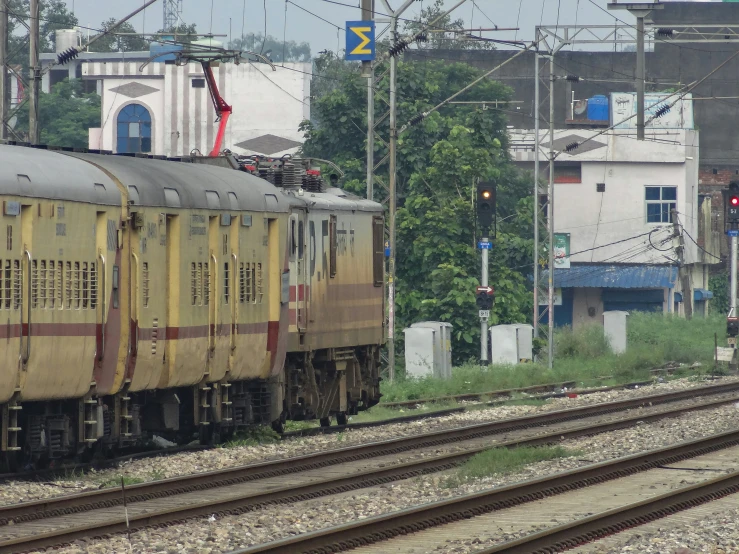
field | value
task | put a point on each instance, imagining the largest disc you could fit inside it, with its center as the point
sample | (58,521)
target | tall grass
(583,356)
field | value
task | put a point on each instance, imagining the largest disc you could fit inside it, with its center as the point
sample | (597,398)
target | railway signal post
(732,224)
(485,293)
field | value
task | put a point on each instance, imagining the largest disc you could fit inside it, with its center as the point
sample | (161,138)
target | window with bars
(68,282)
(226,283)
(60,284)
(51,285)
(77,286)
(199,284)
(206,284)
(145,284)
(94,285)
(43,284)
(260,291)
(5,284)
(242,283)
(34,284)
(194,284)
(85,286)
(17,285)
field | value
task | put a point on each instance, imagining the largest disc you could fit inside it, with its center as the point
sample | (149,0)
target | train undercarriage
(314,385)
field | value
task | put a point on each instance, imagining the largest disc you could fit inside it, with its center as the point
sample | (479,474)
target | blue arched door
(134,130)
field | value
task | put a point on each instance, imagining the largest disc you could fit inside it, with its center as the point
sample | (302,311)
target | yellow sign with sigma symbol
(360,40)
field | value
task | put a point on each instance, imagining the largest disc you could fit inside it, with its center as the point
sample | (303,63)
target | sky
(323,30)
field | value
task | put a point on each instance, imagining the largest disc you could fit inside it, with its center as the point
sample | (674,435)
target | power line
(315,15)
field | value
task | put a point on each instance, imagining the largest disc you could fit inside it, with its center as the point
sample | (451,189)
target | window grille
(206,284)
(77,286)
(260,291)
(85,286)
(34,283)
(226,283)
(51,285)
(94,285)
(68,282)
(17,285)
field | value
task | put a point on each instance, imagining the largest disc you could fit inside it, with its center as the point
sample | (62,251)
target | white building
(614,196)
(164,109)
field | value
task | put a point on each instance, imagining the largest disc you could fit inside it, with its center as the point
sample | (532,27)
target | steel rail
(379,528)
(592,528)
(294,493)
(55,506)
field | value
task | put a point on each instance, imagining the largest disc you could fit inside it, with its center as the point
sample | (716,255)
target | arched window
(134,130)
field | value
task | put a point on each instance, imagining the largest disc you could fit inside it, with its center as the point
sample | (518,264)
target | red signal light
(734,200)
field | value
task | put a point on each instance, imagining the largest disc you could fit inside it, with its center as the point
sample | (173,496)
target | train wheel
(341,418)
(325,422)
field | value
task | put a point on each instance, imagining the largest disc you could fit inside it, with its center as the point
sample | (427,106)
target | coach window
(134,130)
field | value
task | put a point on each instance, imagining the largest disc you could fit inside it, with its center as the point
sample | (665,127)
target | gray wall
(717,120)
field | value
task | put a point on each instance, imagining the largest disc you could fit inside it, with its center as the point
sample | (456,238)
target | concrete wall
(584,299)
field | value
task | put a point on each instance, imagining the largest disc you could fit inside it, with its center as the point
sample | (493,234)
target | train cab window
(301,240)
(293,239)
(378,251)
(333,243)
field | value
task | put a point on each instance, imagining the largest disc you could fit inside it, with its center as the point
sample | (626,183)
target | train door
(10,302)
(298,269)
(220,297)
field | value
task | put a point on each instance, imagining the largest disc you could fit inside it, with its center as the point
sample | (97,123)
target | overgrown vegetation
(254,436)
(499,461)
(583,356)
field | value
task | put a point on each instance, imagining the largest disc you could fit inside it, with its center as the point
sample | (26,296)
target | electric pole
(4,96)
(369,72)
(33,107)
(683,270)
(550,204)
(640,10)
(394,14)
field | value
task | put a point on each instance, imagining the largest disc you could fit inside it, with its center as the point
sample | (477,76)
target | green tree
(439,161)
(445,33)
(53,15)
(123,39)
(65,115)
(273,48)
(182,33)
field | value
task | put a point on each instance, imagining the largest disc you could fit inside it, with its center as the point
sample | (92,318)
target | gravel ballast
(223,534)
(150,469)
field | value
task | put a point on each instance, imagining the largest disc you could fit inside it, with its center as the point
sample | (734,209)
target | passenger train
(143,296)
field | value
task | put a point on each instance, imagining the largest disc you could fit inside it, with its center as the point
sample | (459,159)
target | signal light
(732,208)
(485,204)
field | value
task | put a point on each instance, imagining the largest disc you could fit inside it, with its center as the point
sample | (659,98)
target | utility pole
(4,96)
(394,14)
(33,107)
(640,10)
(683,271)
(550,204)
(369,72)
(536,191)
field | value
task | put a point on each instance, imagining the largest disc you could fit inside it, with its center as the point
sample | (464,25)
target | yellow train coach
(145,296)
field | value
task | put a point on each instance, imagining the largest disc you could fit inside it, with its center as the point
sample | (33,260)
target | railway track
(441,413)
(501,510)
(48,522)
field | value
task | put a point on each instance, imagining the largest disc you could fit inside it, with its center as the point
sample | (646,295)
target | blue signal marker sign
(485,245)
(360,40)
(732,233)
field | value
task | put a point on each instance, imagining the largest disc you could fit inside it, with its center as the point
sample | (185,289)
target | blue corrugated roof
(615,276)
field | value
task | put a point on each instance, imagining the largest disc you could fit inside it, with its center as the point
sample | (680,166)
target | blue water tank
(158,48)
(598,108)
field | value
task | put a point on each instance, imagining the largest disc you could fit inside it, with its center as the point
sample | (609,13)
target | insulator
(574,78)
(416,119)
(572,146)
(422,38)
(662,111)
(398,47)
(665,32)
(67,55)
